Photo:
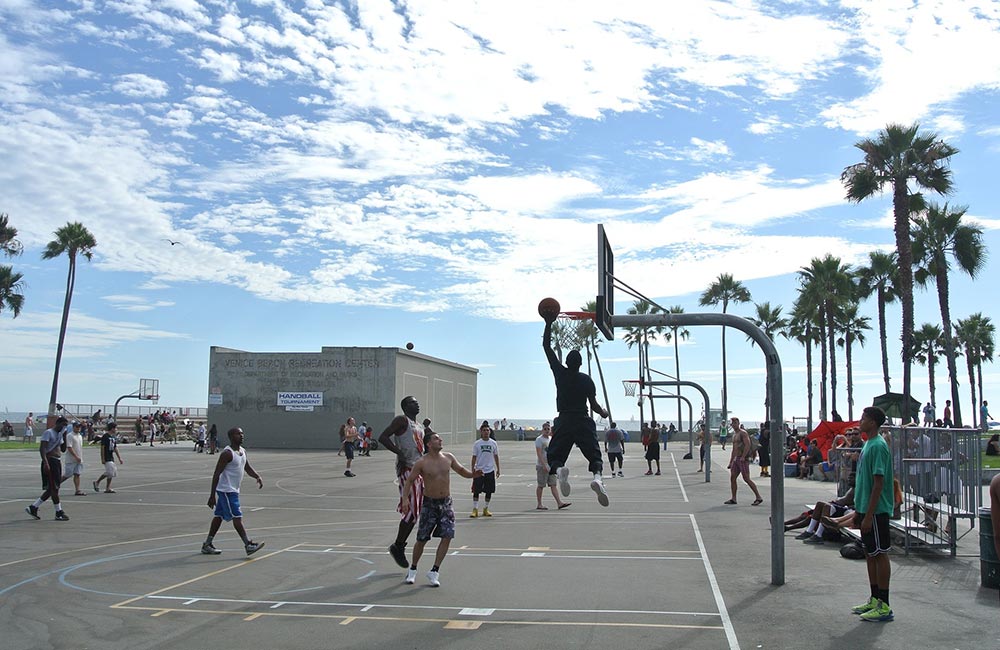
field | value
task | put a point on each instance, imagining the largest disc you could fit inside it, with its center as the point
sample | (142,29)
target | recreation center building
(298,400)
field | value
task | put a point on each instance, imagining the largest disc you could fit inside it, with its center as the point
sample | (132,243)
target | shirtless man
(437,515)
(739,462)
(405,437)
(350,440)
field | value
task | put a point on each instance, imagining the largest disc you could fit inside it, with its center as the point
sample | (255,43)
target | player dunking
(574,425)
(405,437)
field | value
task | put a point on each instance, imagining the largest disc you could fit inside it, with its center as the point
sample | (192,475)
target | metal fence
(132,410)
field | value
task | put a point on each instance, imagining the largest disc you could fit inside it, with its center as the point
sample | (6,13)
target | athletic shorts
(615,456)
(110,469)
(227,505)
(55,469)
(837,510)
(486,484)
(652,451)
(416,496)
(876,540)
(740,466)
(72,467)
(349,450)
(437,518)
(543,477)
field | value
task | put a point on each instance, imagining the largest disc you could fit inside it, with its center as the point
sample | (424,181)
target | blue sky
(373,173)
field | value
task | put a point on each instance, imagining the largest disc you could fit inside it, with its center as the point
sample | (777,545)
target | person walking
(873,502)
(573,425)
(485,458)
(51,447)
(225,493)
(984,416)
(739,463)
(405,437)
(109,449)
(74,458)
(544,478)
(437,513)
(29,432)
(764,451)
(653,449)
(704,439)
(614,447)
(946,419)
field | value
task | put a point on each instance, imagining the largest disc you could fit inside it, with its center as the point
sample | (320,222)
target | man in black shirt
(574,425)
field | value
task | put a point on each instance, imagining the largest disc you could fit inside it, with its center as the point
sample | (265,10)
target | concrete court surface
(667,565)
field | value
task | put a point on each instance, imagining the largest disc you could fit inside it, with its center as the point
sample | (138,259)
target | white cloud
(135,303)
(140,85)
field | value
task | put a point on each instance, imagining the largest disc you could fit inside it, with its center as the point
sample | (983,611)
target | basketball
(549,308)
(409,346)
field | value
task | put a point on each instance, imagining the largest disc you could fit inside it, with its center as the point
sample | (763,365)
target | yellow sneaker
(487,513)
(475,513)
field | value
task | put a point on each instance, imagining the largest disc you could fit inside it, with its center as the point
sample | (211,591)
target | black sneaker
(398,553)
(33,511)
(209,549)
(804,535)
(815,539)
(349,474)
(253,547)
(61,516)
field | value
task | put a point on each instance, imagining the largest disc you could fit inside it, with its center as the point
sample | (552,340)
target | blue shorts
(227,505)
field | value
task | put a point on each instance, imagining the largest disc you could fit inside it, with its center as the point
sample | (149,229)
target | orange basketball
(549,308)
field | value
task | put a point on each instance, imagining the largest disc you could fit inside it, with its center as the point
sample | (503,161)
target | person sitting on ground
(809,460)
(993,446)
(836,508)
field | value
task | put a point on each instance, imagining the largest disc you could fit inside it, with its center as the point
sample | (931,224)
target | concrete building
(299,400)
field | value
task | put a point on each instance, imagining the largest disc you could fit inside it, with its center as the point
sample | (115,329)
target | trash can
(989,564)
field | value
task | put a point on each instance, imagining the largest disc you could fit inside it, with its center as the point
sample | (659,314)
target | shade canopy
(894,405)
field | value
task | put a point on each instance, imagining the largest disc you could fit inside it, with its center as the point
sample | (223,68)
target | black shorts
(55,469)
(614,456)
(653,451)
(349,450)
(876,540)
(486,484)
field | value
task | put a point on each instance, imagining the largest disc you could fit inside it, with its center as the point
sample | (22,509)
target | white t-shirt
(74,441)
(541,442)
(483,451)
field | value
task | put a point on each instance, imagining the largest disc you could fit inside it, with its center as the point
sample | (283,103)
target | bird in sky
(172,242)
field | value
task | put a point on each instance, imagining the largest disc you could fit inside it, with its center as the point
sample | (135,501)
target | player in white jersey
(486,458)
(225,496)
(405,437)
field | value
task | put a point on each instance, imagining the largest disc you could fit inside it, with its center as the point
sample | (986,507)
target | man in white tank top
(405,437)
(225,497)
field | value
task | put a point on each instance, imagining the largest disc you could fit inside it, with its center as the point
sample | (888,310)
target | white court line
(677,471)
(734,644)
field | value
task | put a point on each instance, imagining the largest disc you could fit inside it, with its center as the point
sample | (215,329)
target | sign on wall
(300,398)
(215,399)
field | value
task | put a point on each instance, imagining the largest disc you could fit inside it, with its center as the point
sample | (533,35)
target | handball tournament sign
(300,398)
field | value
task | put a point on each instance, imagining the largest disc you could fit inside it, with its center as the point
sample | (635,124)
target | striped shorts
(416,497)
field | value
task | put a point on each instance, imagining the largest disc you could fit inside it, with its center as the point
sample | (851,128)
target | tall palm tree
(726,290)
(939,236)
(853,328)
(828,284)
(771,322)
(9,245)
(897,155)
(641,336)
(72,239)
(927,344)
(589,334)
(675,334)
(802,328)
(11,290)
(879,278)
(976,334)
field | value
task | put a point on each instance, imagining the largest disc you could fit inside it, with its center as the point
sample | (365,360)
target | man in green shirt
(873,499)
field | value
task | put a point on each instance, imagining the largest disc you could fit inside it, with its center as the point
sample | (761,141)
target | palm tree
(927,344)
(938,235)
(897,155)
(72,239)
(976,336)
(641,336)
(879,279)
(726,290)
(801,328)
(771,322)
(676,332)
(587,329)
(9,245)
(828,284)
(853,328)
(11,290)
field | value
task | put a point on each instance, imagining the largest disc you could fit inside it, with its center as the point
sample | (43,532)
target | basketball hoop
(577,315)
(630,386)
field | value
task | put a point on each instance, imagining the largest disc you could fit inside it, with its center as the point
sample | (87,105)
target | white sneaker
(597,485)
(563,475)
(433,578)
(411,576)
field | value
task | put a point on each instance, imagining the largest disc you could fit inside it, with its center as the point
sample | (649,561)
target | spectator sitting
(993,446)
(810,459)
(820,518)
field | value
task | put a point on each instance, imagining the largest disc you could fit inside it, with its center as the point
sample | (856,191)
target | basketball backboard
(605,284)
(149,389)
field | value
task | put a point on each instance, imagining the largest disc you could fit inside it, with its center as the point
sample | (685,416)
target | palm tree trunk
(832,334)
(809,380)
(823,413)
(979,372)
(649,378)
(70,282)
(904,252)
(972,384)
(850,378)
(930,377)
(882,339)
(949,342)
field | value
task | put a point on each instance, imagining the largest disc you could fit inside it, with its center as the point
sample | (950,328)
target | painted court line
(734,644)
(680,482)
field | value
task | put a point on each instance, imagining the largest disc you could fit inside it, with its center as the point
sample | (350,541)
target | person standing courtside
(874,503)
(614,447)
(109,449)
(225,493)
(29,432)
(50,448)
(349,434)
(573,425)
(405,437)
(486,458)
(542,470)
(739,462)
(653,449)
